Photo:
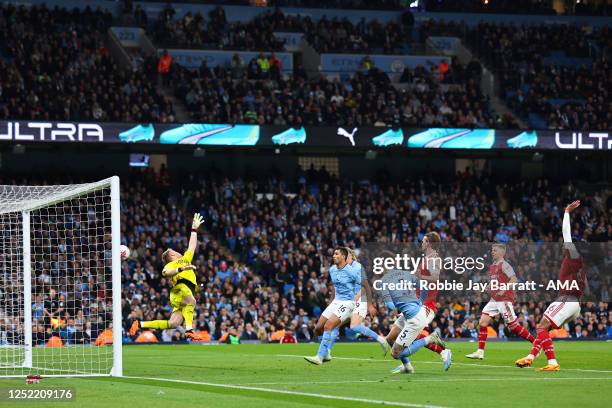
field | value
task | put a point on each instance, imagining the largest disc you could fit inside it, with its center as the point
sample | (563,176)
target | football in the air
(125,252)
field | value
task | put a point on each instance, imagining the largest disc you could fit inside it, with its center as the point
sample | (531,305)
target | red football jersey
(572,271)
(502,272)
(432,295)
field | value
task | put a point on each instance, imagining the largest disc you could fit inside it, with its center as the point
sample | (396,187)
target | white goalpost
(60,280)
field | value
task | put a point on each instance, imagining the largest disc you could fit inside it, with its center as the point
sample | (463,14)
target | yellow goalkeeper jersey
(188,275)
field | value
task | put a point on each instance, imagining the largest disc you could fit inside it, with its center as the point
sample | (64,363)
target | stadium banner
(349,63)
(446,45)
(292,40)
(128,36)
(192,59)
(316,136)
(504,270)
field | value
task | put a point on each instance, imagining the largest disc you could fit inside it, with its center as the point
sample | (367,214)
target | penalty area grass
(260,375)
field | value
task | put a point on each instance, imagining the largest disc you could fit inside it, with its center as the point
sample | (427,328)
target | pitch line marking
(454,363)
(408,381)
(303,394)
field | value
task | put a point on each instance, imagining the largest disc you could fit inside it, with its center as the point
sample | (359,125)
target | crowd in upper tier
(249,94)
(551,76)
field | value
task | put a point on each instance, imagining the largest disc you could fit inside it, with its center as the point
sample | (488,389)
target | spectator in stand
(140,17)
(367,63)
(276,67)
(164,67)
(442,70)
(53,308)
(238,66)
(288,338)
(249,333)
(264,66)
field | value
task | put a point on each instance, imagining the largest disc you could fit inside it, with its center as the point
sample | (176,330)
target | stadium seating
(556,72)
(213,32)
(552,76)
(325,35)
(264,263)
(367,98)
(61,70)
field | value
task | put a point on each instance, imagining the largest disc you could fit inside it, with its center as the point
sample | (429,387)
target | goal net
(60,280)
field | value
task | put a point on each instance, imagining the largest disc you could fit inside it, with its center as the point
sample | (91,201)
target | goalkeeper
(182,277)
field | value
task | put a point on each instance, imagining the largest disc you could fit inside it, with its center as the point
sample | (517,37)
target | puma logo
(350,136)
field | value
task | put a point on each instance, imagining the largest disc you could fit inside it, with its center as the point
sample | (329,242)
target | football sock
(433,347)
(541,334)
(520,331)
(548,347)
(482,337)
(188,315)
(366,331)
(324,346)
(334,336)
(156,324)
(413,348)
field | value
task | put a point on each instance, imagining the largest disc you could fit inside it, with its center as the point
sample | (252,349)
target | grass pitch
(262,375)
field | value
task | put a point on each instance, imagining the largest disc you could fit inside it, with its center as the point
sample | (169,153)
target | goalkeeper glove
(197,221)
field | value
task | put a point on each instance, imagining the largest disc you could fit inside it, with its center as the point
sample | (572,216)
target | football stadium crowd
(553,73)
(367,98)
(63,71)
(263,262)
(556,72)
(325,35)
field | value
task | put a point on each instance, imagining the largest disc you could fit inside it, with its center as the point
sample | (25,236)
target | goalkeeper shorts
(177,295)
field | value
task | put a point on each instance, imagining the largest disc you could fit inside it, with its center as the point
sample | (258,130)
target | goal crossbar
(50,195)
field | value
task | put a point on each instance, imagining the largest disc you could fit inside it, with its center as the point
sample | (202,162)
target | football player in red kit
(567,305)
(501,301)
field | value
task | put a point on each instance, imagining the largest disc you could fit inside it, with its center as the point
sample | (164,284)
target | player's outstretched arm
(193,239)
(567,230)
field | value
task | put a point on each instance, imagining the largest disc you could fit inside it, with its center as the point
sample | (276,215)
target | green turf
(358,371)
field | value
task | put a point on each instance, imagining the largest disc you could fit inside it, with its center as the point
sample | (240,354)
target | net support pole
(116,266)
(27,290)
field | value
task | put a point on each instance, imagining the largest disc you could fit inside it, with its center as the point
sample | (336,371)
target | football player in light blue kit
(397,293)
(346,278)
